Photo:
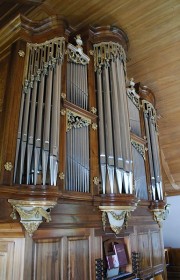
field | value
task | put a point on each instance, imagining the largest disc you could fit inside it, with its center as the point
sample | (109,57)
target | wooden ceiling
(153,29)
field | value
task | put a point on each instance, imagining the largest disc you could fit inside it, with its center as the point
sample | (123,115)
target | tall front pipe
(101,131)
(46,128)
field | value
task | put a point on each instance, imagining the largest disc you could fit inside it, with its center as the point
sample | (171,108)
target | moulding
(20,27)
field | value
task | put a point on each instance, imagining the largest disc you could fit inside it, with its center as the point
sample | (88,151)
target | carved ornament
(75,120)
(21,53)
(139,147)
(61,176)
(96,181)
(8,166)
(32,213)
(160,215)
(105,52)
(93,110)
(75,53)
(117,216)
(131,93)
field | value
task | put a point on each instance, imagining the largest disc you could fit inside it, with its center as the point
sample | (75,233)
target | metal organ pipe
(77,136)
(109,58)
(38,132)
(153,151)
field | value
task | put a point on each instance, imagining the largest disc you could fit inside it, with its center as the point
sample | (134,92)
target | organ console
(78,130)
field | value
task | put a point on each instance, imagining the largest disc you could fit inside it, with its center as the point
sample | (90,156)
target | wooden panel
(47,259)
(11,258)
(157,249)
(144,248)
(78,258)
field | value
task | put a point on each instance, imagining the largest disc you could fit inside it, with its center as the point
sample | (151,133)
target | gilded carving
(105,52)
(31,213)
(8,166)
(63,95)
(61,176)
(94,126)
(117,216)
(75,53)
(131,93)
(75,120)
(63,112)
(160,214)
(139,147)
(21,53)
(93,110)
(96,181)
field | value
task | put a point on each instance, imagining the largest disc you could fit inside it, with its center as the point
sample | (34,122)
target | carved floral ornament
(32,213)
(76,121)
(117,216)
(75,53)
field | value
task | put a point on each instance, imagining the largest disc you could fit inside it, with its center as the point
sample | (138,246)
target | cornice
(32,31)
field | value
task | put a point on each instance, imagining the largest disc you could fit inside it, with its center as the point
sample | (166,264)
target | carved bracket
(160,215)
(32,213)
(117,216)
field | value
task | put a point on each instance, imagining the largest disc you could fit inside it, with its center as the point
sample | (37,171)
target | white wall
(171,226)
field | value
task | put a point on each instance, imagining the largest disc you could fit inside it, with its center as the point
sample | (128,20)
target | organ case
(78,137)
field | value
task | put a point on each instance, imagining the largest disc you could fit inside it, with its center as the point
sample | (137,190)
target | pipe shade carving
(32,213)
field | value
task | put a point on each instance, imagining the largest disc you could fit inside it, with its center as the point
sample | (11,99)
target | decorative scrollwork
(131,93)
(105,52)
(76,121)
(75,53)
(116,216)
(139,147)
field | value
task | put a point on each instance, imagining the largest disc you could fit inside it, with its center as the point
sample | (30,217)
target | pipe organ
(39,130)
(81,138)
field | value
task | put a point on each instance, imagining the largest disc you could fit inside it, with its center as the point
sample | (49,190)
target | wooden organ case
(79,158)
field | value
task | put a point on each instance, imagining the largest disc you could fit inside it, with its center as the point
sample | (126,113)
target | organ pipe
(153,151)
(37,145)
(109,62)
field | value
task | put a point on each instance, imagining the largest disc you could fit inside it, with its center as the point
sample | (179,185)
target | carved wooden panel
(11,258)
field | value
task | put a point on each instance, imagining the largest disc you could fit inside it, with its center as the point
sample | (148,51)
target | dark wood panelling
(78,258)
(47,259)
